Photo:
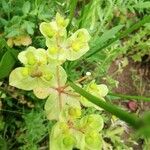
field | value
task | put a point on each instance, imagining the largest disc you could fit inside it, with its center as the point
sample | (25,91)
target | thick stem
(59,91)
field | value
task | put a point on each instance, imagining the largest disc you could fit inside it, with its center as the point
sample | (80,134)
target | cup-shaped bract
(61,21)
(70,111)
(61,138)
(29,78)
(55,28)
(93,140)
(21,79)
(56,51)
(77,44)
(74,112)
(100,91)
(93,122)
(32,56)
(57,105)
(82,133)
(49,30)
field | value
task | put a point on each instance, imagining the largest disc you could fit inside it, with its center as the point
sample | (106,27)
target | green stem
(140,98)
(131,119)
(146,19)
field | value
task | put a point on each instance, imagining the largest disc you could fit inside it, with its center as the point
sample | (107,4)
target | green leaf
(3,144)
(142,5)
(13,33)
(26,7)
(6,64)
(29,26)
(2,42)
(145,129)
(134,27)
(105,36)
(3,22)
(5,6)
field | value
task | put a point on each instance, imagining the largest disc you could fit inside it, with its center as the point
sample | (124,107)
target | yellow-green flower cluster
(80,132)
(36,71)
(62,47)
(42,72)
(40,65)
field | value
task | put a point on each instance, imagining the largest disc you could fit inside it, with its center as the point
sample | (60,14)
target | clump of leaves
(33,130)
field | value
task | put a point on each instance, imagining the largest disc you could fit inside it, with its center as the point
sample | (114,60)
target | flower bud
(76,46)
(53,50)
(69,141)
(25,71)
(30,58)
(74,112)
(61,21)
(92,139)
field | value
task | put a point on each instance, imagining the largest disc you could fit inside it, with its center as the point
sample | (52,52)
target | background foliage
(105,20)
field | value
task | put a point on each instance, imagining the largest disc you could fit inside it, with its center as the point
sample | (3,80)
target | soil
(134,80)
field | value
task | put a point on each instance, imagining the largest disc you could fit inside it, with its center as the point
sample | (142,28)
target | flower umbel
(42,72)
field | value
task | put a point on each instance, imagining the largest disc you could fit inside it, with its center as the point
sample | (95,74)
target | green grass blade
(73,4)
(129,97)
(131,119)
(121,35)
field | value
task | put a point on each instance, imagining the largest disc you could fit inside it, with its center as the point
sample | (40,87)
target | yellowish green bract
(42,72)
(100,91)
(60,46)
